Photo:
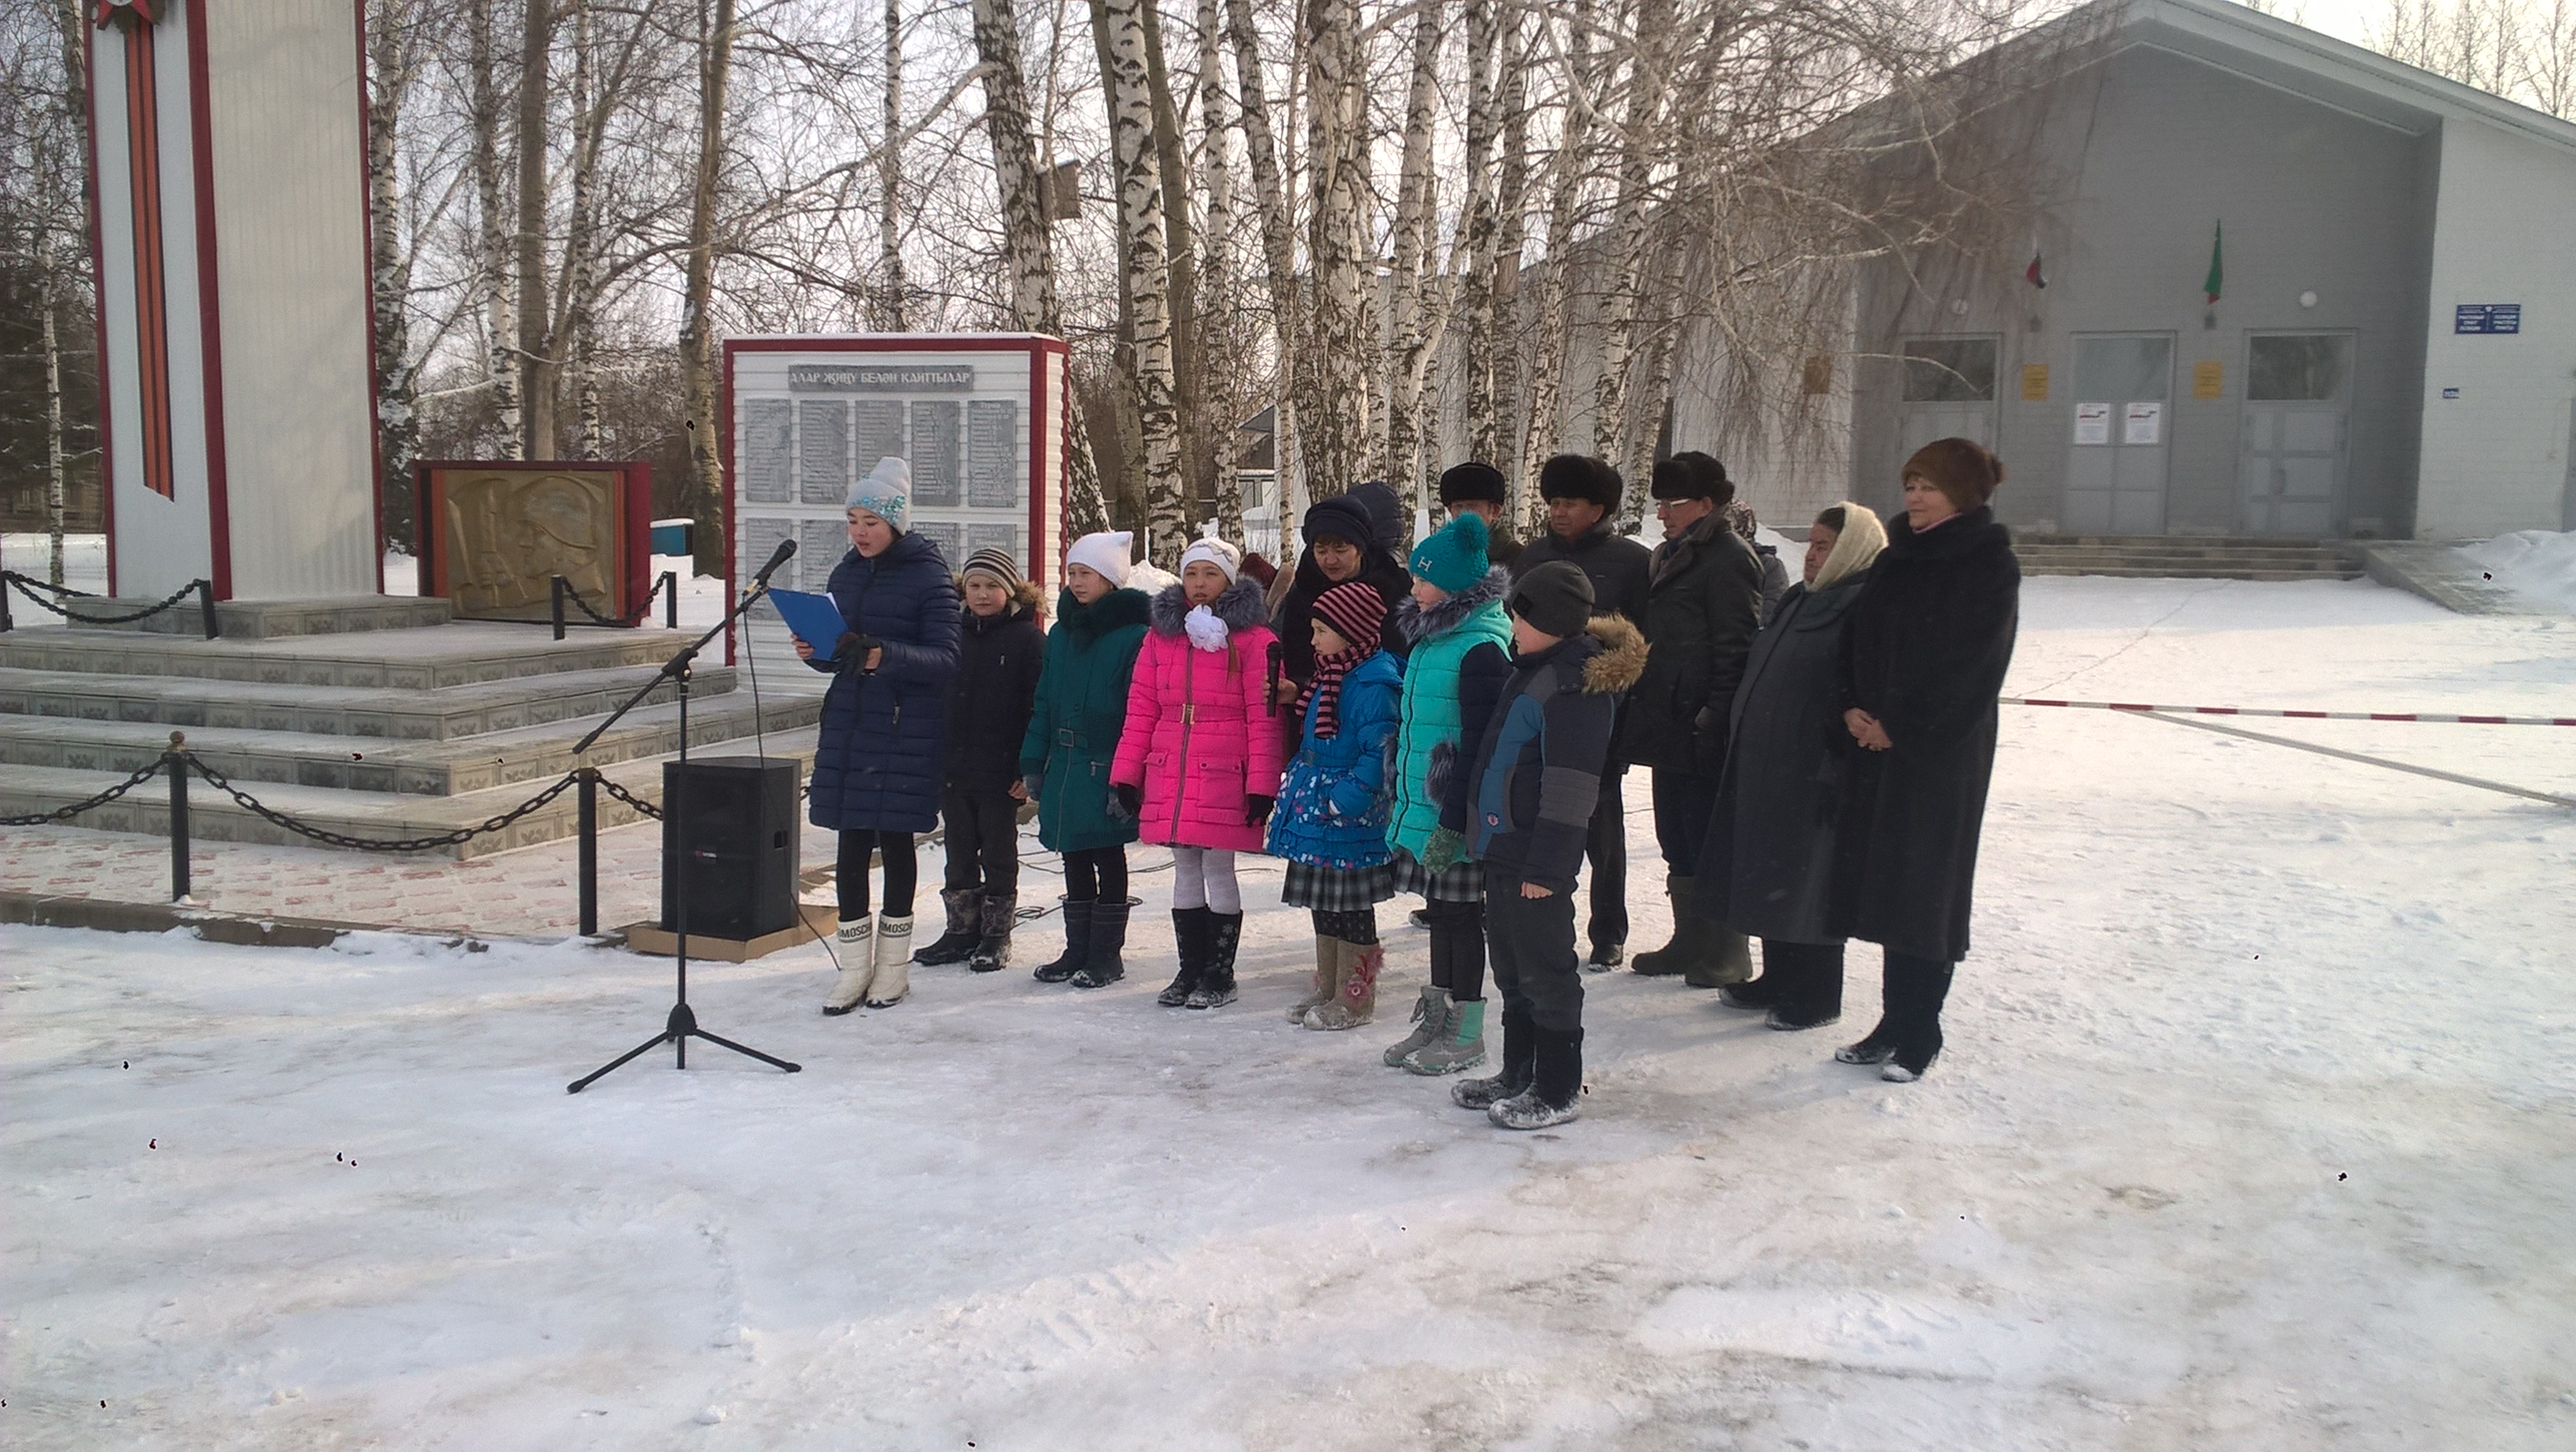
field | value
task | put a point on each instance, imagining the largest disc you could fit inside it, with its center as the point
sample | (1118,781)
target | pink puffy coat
(1199,735)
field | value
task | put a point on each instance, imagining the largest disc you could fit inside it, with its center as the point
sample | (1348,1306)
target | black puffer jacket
(1703,606)
(1925,652)
(998,660)
(1349,517)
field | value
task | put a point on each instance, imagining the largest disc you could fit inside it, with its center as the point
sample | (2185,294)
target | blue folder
(814,619)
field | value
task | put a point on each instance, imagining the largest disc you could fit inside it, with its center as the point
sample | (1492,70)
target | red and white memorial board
(980,417)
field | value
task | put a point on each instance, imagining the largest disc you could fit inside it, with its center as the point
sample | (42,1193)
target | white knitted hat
(886,492)
(1104,553)
(1215,552)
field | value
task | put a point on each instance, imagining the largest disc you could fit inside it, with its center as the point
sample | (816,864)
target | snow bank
(2535,562)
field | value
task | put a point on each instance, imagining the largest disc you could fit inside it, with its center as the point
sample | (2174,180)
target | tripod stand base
(682,1027)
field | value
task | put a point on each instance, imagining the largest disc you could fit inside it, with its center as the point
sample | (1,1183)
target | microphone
(786,547)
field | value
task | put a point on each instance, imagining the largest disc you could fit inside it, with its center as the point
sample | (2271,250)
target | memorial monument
(237,383)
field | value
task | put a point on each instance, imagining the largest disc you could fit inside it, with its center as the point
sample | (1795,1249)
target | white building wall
(291,253)
(2495,456)
(155,544)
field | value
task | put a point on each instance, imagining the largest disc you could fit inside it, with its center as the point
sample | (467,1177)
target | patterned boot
(953,946)
(995,915)
(1216,985)
(1327,980)
(1356,1004)
(855,946)
(1190,931)
(894,962)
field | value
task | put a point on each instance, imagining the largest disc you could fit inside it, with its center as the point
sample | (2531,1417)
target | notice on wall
(2490,318)
(2208,379)
(978,417)
(2092,423)
(2143,423)
(2034,383)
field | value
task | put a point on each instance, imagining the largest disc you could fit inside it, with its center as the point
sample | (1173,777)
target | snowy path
(2258,1128)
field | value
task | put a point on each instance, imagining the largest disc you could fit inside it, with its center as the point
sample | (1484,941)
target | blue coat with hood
(1336,798)
(877,766)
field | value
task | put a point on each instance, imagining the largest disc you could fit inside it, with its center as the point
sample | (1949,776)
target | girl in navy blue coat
(877,767)
(1330,823)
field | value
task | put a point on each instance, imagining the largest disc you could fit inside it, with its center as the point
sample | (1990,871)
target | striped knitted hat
(1354,609)
(997,563)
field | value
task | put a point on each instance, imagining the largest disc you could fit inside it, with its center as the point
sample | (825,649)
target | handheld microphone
(786,547)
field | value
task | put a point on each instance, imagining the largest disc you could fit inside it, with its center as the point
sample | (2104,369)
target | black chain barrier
(629,798)
(457,838)
(667,586)
(28,585)
(65,814)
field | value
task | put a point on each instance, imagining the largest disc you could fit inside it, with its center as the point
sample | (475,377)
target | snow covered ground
(2257,1129)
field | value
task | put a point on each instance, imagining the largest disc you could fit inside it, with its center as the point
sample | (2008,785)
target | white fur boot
(854,945)
(894,962)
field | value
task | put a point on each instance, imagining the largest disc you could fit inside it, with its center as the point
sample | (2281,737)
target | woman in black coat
(1345,540)
(1767,867)
(1925,654)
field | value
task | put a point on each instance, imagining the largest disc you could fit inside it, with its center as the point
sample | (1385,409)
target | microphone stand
(682,1025)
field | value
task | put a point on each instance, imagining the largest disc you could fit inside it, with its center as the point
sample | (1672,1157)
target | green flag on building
(2215,282)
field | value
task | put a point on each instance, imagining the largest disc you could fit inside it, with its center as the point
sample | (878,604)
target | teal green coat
(1081,706)
(1427,746)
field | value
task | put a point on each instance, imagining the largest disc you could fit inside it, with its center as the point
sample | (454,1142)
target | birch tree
(1495,438)
(1140,220)
(536,365)
(1546,430)
(1028,249)
(1639,143)
(889,310)
(1279,256)
(698,363)
(492,263)
(1216,277)
(1335,408)
(1409,332)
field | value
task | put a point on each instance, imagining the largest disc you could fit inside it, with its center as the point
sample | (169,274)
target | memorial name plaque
(980,418)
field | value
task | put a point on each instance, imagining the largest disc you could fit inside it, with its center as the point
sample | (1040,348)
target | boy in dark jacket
(998,659)
(1523,811)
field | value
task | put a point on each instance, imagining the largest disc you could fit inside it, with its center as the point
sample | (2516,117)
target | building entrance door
(1949,391)
(2115,466)
(2290,460)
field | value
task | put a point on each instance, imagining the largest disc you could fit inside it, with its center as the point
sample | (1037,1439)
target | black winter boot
(1917,1037)
(965,907)
(1555,1093)
(1216,985)
(998,914)
(1108,940)
(1520,1066)
(1077,943)
(1190,931)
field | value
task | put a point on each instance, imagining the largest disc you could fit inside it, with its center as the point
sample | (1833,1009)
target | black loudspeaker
(741,850)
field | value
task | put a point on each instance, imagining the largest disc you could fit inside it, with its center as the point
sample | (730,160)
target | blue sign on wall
(2487,318)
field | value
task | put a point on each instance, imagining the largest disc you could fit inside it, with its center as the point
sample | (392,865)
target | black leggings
(1354,927)
(1096,872)
(902,872)
(983,839)
(1457,948)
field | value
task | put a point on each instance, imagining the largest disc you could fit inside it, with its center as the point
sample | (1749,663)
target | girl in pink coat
(1199,759)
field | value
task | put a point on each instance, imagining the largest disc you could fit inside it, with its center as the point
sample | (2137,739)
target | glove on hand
(1443,850)
(1125,802)
(1256,809)
(851,652)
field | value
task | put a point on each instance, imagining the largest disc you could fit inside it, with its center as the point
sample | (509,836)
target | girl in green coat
(1461,641)
(1065,759)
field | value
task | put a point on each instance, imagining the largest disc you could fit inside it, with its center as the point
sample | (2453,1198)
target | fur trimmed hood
(1622,659)
(1419,624)
(1116,610)
(1241,607)
(1025,600)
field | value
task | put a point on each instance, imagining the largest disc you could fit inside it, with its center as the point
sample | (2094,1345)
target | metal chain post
(557,585)
(589,820)
(176,759)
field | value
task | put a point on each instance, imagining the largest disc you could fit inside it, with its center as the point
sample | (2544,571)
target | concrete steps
(409,768)
(268,619)
(2170,557)
(379,728)
(411,660)
(435,715)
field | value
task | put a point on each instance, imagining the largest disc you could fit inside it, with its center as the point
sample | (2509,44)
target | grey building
(2392,351)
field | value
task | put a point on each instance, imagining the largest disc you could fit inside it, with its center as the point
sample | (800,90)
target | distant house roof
(2274,52)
